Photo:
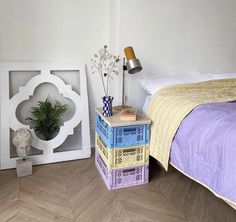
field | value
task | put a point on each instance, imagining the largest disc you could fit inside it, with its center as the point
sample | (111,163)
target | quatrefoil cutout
(63,89)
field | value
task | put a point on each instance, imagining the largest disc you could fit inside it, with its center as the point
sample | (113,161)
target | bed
(204,145)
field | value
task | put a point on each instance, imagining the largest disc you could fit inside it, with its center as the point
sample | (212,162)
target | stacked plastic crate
(122,150)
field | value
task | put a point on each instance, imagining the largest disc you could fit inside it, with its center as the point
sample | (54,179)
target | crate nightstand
(122,150)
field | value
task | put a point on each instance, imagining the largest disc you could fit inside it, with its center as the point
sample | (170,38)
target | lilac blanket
(204,147)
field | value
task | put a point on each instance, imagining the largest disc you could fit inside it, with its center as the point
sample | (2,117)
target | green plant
(45,118)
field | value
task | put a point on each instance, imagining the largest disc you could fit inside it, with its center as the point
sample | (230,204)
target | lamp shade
(133,64)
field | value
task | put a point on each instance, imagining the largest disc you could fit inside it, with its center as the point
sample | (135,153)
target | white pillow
(222,76)
(151,83)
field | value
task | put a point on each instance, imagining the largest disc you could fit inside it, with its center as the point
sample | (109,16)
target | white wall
(178,36)
(56,31)
(169,36)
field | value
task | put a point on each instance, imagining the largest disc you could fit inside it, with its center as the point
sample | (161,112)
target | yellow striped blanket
(169,106)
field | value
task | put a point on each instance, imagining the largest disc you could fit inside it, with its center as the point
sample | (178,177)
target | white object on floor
(23,167)
(10,121)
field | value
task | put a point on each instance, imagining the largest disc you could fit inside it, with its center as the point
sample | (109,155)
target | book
(128,114)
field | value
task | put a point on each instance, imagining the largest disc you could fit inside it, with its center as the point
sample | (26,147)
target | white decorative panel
(10,121)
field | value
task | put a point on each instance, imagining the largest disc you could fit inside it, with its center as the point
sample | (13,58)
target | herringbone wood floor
(74,191)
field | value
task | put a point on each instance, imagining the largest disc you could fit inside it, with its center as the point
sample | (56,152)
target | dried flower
(106,65)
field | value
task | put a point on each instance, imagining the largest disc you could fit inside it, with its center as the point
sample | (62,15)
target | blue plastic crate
(124,136)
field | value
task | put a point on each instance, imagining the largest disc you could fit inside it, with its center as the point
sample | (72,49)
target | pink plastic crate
(124,177)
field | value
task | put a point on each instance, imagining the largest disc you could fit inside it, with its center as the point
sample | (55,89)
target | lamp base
(120,108)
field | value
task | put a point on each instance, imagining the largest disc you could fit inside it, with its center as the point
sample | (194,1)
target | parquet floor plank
(74,192)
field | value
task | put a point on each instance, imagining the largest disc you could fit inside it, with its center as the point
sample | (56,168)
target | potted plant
(45,118)
(106,66)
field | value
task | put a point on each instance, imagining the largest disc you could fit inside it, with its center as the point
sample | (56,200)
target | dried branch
(105,65)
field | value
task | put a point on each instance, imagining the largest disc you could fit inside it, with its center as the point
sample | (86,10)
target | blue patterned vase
(107,105)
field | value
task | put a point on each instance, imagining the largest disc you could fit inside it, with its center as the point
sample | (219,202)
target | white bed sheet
(150,84)
(146,103)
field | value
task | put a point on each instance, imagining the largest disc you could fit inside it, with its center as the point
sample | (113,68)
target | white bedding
(146,103)
(152,83)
